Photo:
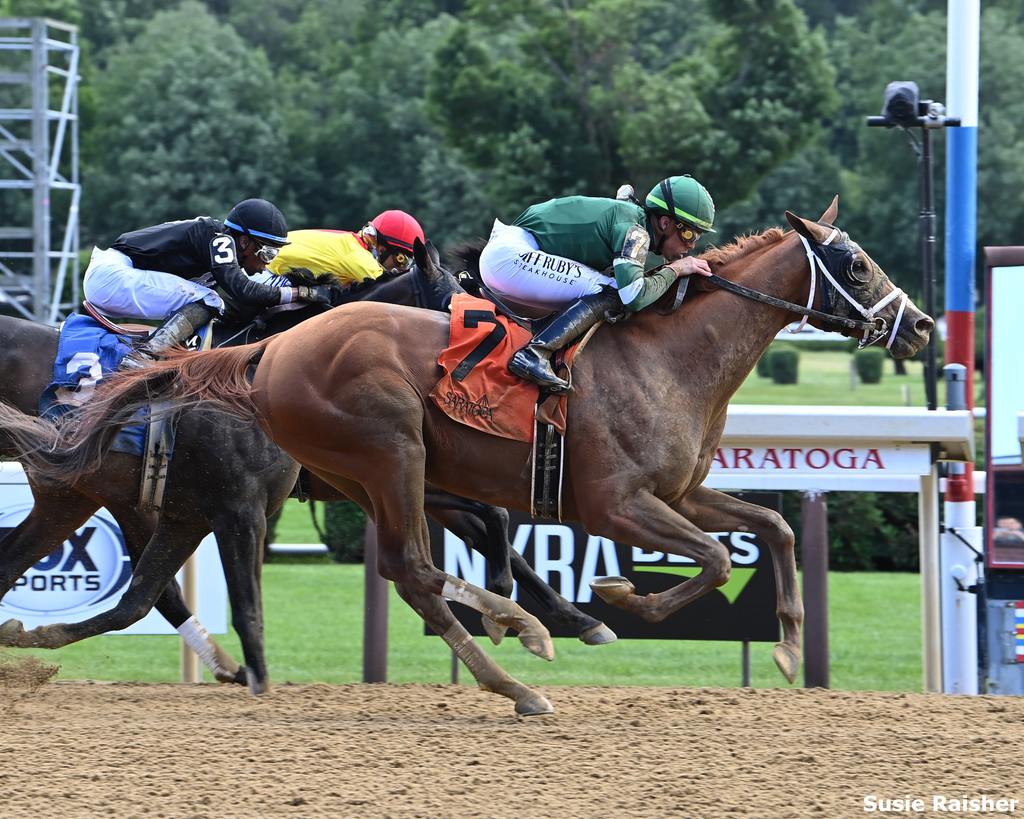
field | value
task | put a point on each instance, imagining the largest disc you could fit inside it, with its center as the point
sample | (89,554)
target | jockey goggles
(402,257)
(267,253)
(687,233)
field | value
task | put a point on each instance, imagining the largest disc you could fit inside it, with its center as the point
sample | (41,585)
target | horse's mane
(466,255)
(721,256)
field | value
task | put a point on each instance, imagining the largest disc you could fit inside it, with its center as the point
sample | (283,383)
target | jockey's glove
(318,294)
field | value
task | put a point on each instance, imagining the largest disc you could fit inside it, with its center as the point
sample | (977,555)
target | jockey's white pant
(114,285)
(513,265)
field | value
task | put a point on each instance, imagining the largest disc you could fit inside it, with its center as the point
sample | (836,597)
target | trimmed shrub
(344,530)
(763,368)
(869,364)
(867,531)
(783,365)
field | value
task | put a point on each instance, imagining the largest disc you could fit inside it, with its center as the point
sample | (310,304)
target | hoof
(494,631)
(537,640)
(11,632)
(533,705)
(787,659)
(598,635)
(256,685)
(227,668)
(234,676)
(613,590)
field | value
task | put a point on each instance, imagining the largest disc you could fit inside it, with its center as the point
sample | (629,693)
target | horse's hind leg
(164,555)
(392,454)
(137,528)
(489,675)
(485,529)
(240,538)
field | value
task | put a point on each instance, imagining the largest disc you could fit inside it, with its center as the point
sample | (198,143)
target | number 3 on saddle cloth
(478,390)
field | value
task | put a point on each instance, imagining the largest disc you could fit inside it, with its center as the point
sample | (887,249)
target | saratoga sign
(821,459)
(878,449)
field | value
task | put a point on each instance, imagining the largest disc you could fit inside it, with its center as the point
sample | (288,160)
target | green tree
(578,99)
(185,126)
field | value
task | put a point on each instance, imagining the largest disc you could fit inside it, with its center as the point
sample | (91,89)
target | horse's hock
(415,750)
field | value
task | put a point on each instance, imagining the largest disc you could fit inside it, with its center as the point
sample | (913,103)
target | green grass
(824,378)
(314,634)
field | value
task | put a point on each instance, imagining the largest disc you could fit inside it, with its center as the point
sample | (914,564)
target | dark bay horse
(347,397)
(226,477)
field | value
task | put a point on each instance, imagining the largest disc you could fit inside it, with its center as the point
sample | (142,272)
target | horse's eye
(859,271)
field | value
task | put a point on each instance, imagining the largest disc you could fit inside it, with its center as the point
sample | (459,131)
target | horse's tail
(74,447)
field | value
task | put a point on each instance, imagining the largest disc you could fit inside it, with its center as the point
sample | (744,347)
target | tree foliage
(220,141)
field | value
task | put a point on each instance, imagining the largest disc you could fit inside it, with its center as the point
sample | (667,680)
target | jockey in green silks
(586,256)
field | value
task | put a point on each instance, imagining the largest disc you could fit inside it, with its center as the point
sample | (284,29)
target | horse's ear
(811,231)
(419,253)
(432,252)
(832,212)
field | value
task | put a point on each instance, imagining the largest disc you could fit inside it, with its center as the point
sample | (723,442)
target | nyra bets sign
(568,558)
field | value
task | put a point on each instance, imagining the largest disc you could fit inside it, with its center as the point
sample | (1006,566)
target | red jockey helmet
(397,229)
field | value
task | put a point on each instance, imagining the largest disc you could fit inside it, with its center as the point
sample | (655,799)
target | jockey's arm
(238,286)
(637,290)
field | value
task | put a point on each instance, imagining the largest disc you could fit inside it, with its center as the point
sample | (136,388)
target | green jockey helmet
(685,199)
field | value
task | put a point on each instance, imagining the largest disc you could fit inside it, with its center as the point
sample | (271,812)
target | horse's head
(851,285)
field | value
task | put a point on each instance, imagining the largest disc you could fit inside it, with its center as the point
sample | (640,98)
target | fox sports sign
(78,578)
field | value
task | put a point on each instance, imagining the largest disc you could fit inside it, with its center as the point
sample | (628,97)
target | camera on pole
(902,107)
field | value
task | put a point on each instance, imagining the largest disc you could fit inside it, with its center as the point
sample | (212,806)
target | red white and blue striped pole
(961,540)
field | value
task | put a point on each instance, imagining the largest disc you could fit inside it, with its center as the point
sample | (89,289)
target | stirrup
(137,359)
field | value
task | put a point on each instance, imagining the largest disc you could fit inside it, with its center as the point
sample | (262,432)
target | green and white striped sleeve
(637,290)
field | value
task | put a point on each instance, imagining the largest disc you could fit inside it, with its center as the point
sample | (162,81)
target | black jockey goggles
(402,257)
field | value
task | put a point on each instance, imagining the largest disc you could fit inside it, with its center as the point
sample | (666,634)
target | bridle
(872,330)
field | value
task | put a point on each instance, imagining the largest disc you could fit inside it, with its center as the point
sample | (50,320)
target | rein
(874,329)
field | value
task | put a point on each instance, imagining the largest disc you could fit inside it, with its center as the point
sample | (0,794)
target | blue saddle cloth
(86,351)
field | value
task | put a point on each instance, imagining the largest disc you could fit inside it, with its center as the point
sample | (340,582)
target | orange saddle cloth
(477,389)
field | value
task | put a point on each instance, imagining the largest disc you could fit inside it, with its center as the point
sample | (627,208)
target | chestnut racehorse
(347,396)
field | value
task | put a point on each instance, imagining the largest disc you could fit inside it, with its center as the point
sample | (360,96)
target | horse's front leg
(646,521)
(716,512)
(137,528)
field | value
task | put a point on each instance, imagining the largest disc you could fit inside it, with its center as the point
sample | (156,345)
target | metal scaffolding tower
(38,167)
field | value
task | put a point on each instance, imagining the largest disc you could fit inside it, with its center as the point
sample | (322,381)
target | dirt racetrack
(74,749)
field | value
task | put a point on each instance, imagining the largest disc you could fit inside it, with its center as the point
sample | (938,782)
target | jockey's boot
(533,362)
(176,329)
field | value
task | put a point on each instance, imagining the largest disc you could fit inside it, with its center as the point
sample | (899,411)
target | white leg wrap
(459,591)
(197,638)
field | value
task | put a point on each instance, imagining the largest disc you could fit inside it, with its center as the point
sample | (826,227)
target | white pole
(928,526)
(190,672)
(959,572)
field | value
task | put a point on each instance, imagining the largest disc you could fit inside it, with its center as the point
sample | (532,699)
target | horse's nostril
(924,325)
